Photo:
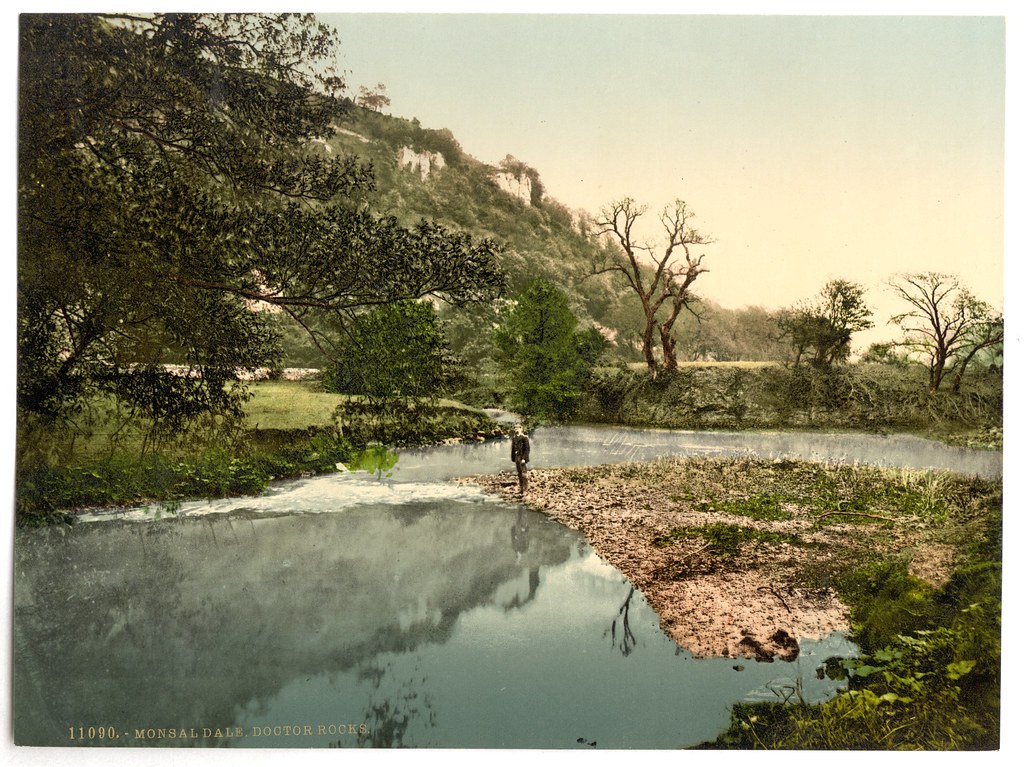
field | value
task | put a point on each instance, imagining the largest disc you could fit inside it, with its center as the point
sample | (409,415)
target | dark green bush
(928,678)
(887,601)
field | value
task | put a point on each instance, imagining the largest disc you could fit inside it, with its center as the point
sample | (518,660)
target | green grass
(725,541)
(290,405)
(929,674)
(928,678)
(763,506)
(102,433)
(289,429)
(275,406)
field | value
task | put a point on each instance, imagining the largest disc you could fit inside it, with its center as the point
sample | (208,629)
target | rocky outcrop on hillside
(423,162)
(325,144)
(520,187)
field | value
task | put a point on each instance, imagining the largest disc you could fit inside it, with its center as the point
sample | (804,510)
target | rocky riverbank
(739,558)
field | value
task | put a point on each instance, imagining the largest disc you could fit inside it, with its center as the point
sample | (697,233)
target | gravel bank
(757,601)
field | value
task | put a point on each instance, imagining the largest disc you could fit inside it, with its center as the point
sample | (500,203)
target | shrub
(866,396)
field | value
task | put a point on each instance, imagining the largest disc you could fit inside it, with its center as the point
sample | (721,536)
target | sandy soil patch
(932,563)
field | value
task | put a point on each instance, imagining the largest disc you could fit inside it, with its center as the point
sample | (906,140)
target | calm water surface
(375,610)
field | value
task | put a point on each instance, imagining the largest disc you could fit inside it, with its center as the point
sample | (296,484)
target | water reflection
(389,715)
(628,640)
(217,610)
(383,606)
(377,460)
(520,545)
(450,625)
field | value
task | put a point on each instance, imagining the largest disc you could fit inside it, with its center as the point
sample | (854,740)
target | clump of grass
(886,602)
(723,540)
(867,495)
(929,675)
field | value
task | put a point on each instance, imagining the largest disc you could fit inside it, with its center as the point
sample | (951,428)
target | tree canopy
(545,357)
(376,99)
(945,323)
(824,326)
(170,184)
(396,352)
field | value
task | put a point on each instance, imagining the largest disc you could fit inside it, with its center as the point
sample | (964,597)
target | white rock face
(520,188)
(424,162)
(352,133)
(322,143)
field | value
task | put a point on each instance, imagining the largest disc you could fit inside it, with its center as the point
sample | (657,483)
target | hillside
(424,173)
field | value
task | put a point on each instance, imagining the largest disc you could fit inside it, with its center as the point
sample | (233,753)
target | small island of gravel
(742,557)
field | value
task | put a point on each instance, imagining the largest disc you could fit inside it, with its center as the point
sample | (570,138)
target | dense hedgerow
(862,396)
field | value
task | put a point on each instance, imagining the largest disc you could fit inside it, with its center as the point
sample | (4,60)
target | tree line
(169,185)
(945,325)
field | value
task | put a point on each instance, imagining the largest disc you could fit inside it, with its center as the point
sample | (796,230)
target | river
(387,607)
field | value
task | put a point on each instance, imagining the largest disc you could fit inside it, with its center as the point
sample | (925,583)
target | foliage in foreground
(928,678)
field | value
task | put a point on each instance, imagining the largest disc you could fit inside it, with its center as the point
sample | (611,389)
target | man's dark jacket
(520,448)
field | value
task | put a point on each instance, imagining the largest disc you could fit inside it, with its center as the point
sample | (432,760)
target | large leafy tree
(168,186)
(944,323)
(395,353)
(823,327)
(546,358)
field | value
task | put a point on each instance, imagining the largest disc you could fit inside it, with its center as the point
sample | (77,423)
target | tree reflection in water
(388,716)
(628,640)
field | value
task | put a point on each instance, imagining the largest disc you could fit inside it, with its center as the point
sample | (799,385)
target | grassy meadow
(290,428)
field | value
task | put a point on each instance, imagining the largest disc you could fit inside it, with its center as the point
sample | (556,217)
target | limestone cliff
(520,187)
(423,162)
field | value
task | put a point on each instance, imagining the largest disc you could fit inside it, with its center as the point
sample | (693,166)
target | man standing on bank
(521,455)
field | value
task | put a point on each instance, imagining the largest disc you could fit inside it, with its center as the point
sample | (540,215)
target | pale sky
(809,147)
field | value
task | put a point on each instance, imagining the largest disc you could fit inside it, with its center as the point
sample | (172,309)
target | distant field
(289,405)
(297,404)
(284,405)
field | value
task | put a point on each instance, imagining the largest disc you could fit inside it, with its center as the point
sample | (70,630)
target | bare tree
(662,279)
(947,323)
(984,335)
